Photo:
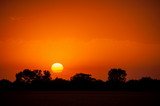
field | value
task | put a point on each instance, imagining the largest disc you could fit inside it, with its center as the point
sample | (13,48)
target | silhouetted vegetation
(41,80)
(116,79)
(82,81)
(5,84)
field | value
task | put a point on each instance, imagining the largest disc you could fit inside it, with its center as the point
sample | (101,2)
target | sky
(86,36)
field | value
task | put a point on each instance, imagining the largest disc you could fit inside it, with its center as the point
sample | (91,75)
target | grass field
(79,98)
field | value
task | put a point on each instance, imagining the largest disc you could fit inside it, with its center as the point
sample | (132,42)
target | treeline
(41,80)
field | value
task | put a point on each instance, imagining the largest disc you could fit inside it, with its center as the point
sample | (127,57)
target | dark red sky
(90,36)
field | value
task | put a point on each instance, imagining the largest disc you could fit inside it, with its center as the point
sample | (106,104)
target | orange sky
(90,36)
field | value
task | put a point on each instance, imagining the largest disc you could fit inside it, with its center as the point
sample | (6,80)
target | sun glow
(57,67)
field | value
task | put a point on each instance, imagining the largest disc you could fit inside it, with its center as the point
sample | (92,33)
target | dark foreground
(79,98)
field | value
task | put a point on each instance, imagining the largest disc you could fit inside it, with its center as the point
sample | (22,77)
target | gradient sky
(90,36)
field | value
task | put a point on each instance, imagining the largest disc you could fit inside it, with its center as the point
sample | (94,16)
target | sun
(57,67)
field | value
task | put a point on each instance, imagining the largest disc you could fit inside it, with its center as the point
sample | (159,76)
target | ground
(79,98)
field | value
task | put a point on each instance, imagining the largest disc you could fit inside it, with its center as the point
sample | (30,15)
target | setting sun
(57,67)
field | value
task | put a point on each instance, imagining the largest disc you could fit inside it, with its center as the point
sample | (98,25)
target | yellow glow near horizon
(57,67)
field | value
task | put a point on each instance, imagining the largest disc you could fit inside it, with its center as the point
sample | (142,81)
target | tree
(46,76)
(81,77)
(116,78)
(27,76)
(38,75)
(82,81)
(117,75)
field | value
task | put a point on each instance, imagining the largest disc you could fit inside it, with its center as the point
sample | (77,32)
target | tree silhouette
(82,81)
(81,77)
(117,75)
(27,76)
(33,78)
(116,78)
(41,80)
(46,76)
(38,75)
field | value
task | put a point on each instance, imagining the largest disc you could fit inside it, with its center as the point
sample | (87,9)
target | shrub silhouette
(5,84)
(145,83)
(60,84)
